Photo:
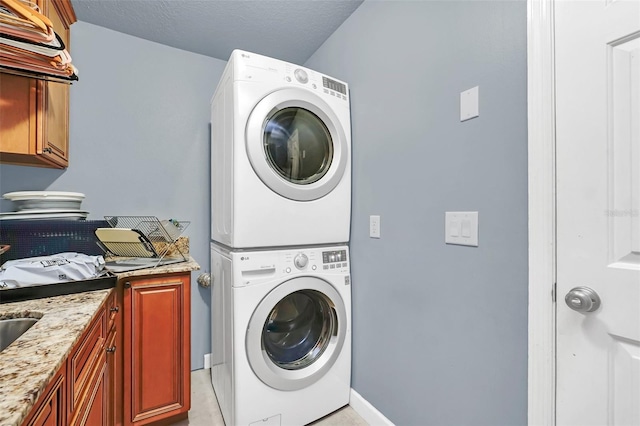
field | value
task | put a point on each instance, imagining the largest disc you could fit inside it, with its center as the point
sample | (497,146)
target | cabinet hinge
(553,292)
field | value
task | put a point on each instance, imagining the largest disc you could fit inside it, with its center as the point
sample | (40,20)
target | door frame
(542,212)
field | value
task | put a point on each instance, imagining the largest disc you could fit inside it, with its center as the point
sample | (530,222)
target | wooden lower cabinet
(83,391)
(132,364)
(157,345)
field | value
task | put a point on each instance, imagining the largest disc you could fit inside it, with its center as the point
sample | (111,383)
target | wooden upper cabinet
(34,114)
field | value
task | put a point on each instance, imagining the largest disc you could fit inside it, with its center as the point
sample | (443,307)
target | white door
(598,211)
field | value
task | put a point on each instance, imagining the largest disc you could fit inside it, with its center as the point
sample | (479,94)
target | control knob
(301,260)
(301,76)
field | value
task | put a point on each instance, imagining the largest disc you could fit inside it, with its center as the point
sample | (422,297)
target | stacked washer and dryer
(281,210)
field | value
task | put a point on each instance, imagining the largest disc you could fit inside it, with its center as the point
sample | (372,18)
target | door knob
(582,299)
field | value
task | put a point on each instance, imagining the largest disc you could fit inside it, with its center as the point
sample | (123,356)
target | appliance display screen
(334,256)
(334,85)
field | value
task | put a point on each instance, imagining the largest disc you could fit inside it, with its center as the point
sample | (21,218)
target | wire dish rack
(142,242)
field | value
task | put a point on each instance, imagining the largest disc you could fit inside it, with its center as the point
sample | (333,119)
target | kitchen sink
(11,329)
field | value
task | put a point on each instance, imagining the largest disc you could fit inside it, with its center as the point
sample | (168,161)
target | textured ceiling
(290,30)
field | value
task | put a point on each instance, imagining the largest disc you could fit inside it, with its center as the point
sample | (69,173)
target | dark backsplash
(31,238)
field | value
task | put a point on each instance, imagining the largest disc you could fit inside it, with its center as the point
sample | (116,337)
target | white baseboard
(367,411)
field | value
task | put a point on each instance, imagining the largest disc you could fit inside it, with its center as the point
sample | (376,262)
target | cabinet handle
(48,150)
(114,309)
(127,284)
(111,349)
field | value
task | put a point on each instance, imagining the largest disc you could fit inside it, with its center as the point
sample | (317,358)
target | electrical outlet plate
(207,360)
(374,226)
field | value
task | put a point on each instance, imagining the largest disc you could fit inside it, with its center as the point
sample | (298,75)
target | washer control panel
(334,259)
(263,266)
(320,260)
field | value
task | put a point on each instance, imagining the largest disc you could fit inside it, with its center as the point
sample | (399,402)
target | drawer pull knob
(111,349)
(114,309)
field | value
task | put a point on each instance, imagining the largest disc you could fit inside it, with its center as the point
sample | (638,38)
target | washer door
(296,333)
(296,144)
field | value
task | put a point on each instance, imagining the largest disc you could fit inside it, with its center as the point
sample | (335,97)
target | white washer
(280,155)
(281,334)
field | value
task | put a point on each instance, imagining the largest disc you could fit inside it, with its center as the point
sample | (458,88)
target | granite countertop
(29,363)
(190,265)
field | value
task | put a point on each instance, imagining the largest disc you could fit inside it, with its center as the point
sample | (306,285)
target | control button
(288,270)
(325,266)
(332,93)
(301,260)
(301,76)
(314,86)
(344,97)
(288,79)
(344,265)
(326,91)
(313,267)
(333,266)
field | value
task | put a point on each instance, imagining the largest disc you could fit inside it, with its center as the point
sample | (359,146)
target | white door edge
(542,229)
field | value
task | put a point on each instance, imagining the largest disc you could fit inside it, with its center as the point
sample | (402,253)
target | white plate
(45,214)
(43,195)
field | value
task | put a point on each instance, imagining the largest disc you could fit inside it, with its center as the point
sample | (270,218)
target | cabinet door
(50,410)
(18,112)
(53,101)
(157,348)
(94,409)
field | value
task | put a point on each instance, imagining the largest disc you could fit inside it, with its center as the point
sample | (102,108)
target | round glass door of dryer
(296,144)
(296,333)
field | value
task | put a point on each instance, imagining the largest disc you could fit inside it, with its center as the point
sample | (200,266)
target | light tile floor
(206,412)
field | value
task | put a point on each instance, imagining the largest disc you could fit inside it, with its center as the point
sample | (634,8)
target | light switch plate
(469,100)
(374,226)
(207,360)
(461,228)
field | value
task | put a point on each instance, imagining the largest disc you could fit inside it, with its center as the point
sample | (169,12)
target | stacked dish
(45,205)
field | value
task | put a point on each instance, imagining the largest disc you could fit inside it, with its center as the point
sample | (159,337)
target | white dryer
(280,155)
(281,334)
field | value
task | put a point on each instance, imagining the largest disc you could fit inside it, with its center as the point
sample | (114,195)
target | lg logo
(244,258)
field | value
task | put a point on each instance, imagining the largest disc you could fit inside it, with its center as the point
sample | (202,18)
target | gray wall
(139,137)
(440,331)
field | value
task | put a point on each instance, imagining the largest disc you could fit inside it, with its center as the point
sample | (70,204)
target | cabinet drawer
(84,358)
(113,310)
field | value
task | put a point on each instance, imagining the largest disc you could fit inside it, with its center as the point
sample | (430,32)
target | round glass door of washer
(294,337)
(296,144)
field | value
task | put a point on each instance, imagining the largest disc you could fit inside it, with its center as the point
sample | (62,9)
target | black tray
(20,294)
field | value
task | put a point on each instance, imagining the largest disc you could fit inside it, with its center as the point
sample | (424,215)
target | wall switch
(374,226)
(469,100)
(207,360)
(461,228)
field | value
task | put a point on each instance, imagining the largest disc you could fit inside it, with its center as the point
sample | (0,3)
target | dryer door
(296,144)
(296,333)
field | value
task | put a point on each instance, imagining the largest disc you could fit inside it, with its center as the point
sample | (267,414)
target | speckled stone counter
(28,364)
(190,265)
